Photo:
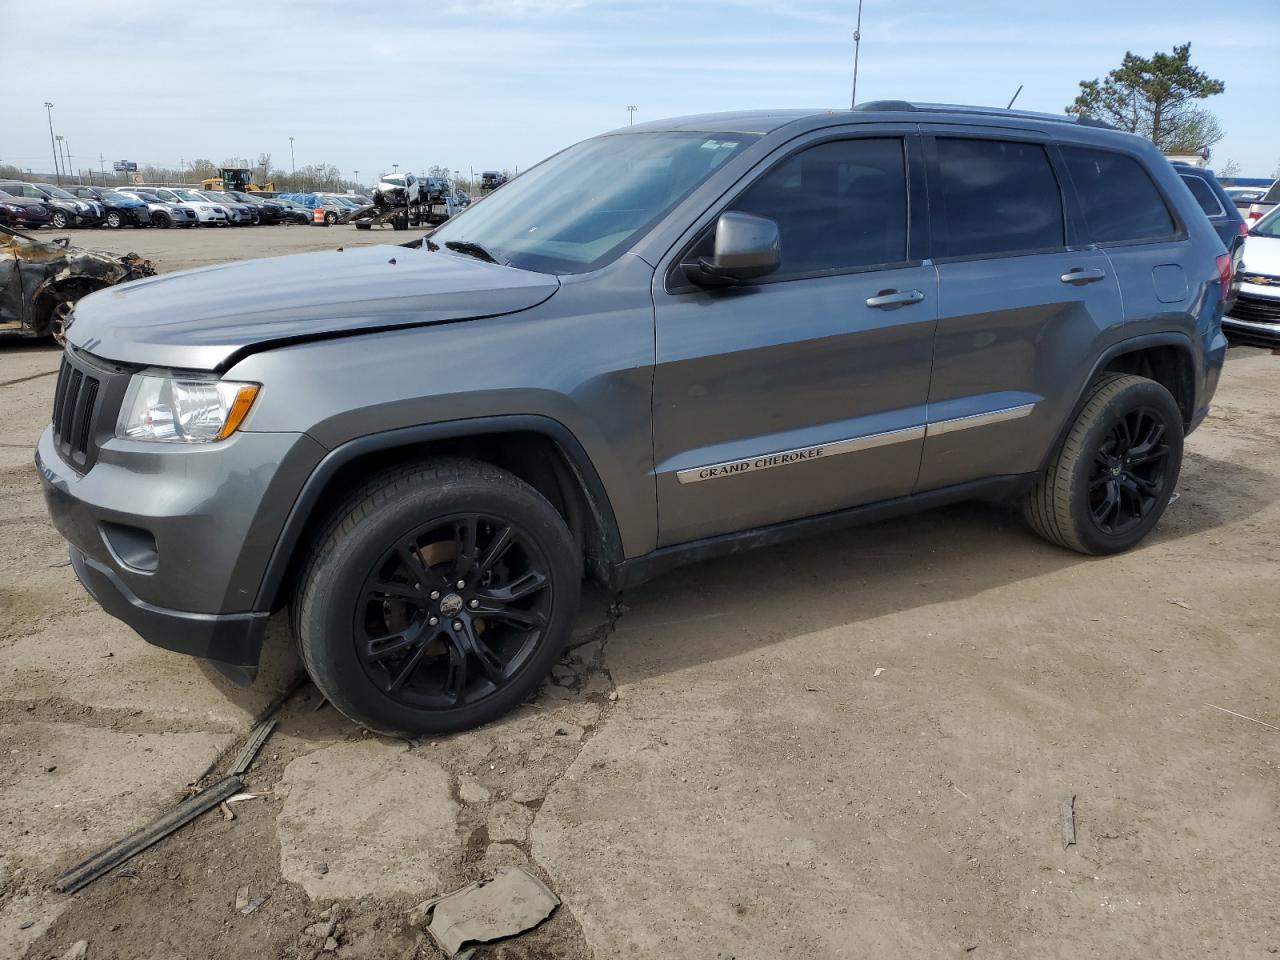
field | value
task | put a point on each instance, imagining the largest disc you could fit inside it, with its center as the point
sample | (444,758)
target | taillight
(1224,274)
(1244,229)
(1255,214)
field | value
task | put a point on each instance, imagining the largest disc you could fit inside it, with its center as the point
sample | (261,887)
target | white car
(1256,314)
(164,213)
(210,214)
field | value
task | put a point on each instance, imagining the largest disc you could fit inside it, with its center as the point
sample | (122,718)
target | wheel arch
(539,450)
(1168,358)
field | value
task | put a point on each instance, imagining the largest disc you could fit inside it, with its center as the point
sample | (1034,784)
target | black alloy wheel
(1112,476)
(450,614)
(438,598)
(60,220)
(1129,471)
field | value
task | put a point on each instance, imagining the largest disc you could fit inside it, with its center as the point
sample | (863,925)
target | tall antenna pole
(57,167)
(1015,97)
(857,46)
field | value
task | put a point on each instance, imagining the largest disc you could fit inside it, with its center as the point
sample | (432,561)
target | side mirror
(746,247)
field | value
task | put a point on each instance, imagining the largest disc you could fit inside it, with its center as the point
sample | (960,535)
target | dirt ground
(854,746)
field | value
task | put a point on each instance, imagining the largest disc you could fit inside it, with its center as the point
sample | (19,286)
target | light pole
(62,147)
(631,114)
(293,164)
(395,168)
(857,47)
(355,175)
(57,173)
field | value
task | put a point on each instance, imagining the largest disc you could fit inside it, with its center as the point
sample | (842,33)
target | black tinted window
(997,197)
(1204,195)
(1117,197)
(838,205)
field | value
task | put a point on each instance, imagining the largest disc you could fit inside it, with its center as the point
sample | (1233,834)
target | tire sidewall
(1144,394)
(326,620)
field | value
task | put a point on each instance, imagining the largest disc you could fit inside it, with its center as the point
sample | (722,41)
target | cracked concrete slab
(379,817)
(97,661)
(67,790)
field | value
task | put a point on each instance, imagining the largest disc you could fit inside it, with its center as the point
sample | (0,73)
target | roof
(765,121)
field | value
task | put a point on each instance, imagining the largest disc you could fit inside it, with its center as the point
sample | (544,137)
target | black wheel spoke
(524,586)
(455,678)
(502,539)
(407,671)
(399,591)
(525,619)
(379,648)
(490,663)
(1110,503)
(464,537)
(416,567)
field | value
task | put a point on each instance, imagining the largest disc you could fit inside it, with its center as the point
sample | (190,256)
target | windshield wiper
(477,250)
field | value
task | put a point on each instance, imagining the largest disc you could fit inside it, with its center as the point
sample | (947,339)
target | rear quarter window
(1204,195)
(1117,196)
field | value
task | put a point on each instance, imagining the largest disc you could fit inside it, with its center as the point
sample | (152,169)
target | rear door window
(839,206)
(996,197)
(1117,196)
(1204,195)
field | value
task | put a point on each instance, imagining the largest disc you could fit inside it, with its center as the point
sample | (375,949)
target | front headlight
(179,410)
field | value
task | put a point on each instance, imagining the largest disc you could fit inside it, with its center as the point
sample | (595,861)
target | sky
(487,84)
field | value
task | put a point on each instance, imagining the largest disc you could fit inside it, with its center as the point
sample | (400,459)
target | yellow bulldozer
(237,178)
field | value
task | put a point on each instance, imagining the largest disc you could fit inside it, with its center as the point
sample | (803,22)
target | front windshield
(112,195)
(584,206)
(191,195)
(58,193)
(1268,226)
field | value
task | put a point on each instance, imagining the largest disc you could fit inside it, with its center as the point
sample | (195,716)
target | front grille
(1256,309)
(75,410)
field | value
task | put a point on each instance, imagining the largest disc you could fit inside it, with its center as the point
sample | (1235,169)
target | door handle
(892,299)
(1078,276)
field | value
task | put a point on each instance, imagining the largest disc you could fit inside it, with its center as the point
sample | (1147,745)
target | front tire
(114,219)
(1110,481)
(60,220)
(330,217)
(438,599)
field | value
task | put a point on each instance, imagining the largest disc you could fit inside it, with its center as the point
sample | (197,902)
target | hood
(206,319)
(1262,256)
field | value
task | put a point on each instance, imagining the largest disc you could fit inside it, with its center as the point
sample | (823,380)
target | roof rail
(906,106)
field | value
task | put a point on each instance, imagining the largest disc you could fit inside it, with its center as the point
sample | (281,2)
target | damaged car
(40,281)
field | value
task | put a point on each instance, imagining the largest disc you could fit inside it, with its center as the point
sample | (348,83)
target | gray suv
(662,344)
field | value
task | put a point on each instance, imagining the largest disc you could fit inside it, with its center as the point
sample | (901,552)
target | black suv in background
(1228,221)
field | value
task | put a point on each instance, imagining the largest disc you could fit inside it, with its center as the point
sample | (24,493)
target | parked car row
(34,205)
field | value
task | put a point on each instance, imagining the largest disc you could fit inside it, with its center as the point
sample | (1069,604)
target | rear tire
(1110,481)
(363,606)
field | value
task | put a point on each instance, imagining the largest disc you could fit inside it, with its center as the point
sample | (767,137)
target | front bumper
(175,542)
(233,641)
(1255,315)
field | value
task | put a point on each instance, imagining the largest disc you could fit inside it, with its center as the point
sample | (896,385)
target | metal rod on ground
(85,873)
(256,739)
